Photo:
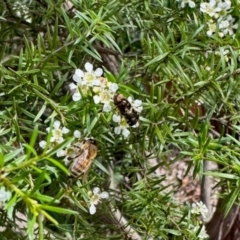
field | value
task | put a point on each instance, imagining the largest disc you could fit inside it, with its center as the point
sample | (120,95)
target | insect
(82,163)
(126,109)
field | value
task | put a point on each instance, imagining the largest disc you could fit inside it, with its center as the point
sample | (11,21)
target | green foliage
(155,51)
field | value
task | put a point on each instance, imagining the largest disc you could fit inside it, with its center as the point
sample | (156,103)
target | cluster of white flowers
(96,196)
(90,82)
(218,13)
(56,137)
(202,234)
(199,208)
(4,197)
(217,10)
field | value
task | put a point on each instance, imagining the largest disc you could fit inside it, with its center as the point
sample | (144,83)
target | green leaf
(12,155)
(58,164)
(230,200)
(100,166)
(221,175)
(58,210)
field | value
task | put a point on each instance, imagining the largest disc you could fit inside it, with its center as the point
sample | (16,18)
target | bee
(82,163)
(126,109)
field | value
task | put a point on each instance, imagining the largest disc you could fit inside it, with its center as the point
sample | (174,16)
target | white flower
(190,3)
(199,209)
(122,128)
(227,25)
(105,96)
(89,77)
(202,234)
(136,104)
(4,196)
(57,132)
(210,8)
(84,80)
(224,6)
(96,198)
(212,28)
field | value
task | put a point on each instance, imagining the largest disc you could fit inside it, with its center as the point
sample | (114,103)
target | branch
(119,218)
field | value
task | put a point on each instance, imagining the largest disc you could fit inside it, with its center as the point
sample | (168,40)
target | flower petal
(96,82)
(56,124)
(76,96)
(107,107)
(77,134)
(125,132)
(139,109)
(130,99)
(113,87)
(116,118)
(89,67)
(43,144)
(79,73)
(92,209)
(59,140)
(191,4)
(137,103)
(135,125)
(72,86)
(4,195)
(96,99)
(77,79)
(117,130)
(104,195)
(98,72)
(96,190)
(61,153)
(65,130)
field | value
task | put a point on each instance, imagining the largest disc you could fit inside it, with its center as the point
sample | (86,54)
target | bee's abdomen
(79,167)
